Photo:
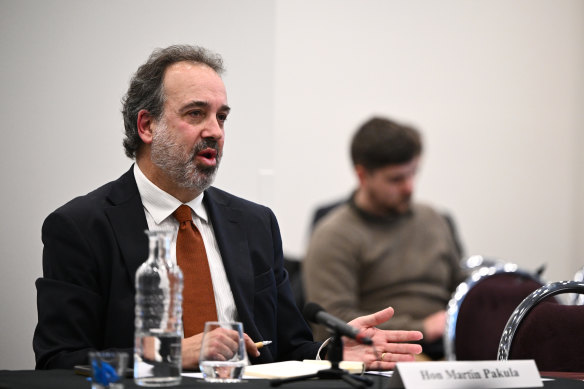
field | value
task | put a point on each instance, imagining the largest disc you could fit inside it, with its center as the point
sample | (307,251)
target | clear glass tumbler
(223,357)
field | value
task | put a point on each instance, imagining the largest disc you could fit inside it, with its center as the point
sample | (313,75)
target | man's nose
(213,129)
(408,186)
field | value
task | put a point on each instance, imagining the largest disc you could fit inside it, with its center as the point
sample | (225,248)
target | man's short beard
(179,163)
(395,209)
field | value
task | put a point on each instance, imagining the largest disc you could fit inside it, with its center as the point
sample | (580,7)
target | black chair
(547,331)
(480,307)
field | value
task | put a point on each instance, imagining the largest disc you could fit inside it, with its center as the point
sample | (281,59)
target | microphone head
(310,310)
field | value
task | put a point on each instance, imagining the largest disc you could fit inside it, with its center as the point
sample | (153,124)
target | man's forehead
(190,81)
(402,168)
(191,74)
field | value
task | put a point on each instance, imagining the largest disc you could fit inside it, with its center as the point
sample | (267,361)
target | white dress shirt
(158,207)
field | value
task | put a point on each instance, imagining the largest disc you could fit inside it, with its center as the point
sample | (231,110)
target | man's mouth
(207,156)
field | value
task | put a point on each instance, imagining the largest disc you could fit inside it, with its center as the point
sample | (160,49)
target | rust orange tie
(198,298)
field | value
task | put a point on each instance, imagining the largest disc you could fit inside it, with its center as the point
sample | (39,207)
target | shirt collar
(161,204)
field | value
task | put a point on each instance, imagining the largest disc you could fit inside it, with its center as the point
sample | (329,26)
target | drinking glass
(223,357)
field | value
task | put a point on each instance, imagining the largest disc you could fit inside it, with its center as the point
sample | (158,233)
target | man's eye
(196,113)
(222,117)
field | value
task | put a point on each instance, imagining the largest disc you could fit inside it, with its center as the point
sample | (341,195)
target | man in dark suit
(174,114)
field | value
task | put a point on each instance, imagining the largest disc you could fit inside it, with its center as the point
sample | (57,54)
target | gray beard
(179,163)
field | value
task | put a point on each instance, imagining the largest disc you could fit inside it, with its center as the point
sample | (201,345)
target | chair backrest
(578,298)
(546,331)
(480,307)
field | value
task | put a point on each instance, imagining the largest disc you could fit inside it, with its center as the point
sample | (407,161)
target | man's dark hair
(146,86)
(380,142)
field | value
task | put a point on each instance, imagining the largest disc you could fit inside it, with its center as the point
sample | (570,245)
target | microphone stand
(335,356)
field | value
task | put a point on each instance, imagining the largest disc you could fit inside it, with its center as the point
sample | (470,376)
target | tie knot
(183,213)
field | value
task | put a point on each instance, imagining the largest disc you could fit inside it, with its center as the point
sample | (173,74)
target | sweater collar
(370,217)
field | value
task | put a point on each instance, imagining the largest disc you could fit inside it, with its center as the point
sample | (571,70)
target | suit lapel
(128,221)
(233,245)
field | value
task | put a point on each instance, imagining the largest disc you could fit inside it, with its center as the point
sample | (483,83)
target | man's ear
(362,173)
(145,123)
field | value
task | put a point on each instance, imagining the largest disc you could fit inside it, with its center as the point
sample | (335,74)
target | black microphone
(316,314)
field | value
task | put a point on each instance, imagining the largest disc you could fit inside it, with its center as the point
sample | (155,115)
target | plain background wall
(496,87)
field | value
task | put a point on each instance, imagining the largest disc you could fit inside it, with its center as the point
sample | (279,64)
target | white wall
(495,86)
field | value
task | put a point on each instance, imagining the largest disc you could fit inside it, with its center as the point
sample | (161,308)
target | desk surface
(67,379)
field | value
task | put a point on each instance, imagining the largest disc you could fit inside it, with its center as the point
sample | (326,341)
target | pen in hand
(262,343)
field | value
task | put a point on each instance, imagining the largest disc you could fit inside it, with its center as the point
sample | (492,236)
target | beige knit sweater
(357,264)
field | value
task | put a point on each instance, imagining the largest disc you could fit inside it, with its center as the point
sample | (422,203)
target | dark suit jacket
(93,246)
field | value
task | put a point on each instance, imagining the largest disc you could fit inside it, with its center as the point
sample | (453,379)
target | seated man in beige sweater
(381,249)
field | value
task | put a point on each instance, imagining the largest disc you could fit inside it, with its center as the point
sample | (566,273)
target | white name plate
(466,374)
